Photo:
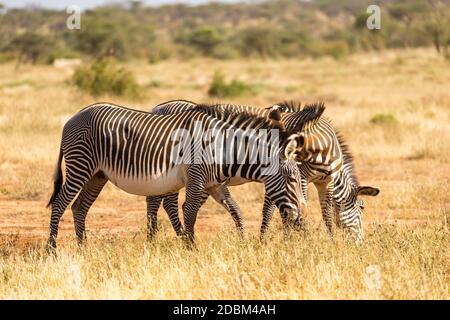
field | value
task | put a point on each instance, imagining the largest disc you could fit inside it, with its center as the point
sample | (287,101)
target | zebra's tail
(58,179)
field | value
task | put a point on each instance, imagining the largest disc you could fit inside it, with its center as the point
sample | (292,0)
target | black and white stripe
(322,154)
(135,151)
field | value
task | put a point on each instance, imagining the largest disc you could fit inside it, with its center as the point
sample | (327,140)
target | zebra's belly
(155,185)
(236,181)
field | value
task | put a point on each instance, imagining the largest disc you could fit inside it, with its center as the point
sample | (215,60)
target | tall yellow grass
(406,252)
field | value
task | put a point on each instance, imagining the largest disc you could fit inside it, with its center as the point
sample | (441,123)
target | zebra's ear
(275,107)
(368,191)
(294,142)
(275,113)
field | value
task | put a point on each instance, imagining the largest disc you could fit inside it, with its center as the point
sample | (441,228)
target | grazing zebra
(138,153)
(347,206)
(319,150)
(345,191)
(326,161)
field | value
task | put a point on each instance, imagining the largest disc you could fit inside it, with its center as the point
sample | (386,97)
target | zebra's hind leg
(153,203)
(75,180)
(268,210)
(222,196)
(84,201)
(170,204)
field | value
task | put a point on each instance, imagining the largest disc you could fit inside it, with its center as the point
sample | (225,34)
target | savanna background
(387,92)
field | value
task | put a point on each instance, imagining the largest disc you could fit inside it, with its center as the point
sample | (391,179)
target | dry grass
(407,233)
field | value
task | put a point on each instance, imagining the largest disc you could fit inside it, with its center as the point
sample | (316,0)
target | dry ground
(407,235)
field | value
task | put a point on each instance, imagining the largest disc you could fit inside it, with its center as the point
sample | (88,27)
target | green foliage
(220,88)
(6,57)
(361,21)
(205,38)
(121,37)
(406,10)
(258,41)
(225,51)
(384,119)
(31,47)
(336,49)
(105,76)
(282,28)
(158,54)
(61,54)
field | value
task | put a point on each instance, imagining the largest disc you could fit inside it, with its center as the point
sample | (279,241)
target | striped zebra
(326,162)
(338,192)
(137,152)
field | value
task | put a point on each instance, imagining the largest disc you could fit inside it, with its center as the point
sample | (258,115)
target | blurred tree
(205,38)
(112,32)
(259,41)
(438,26)
(407,12)
(29,47)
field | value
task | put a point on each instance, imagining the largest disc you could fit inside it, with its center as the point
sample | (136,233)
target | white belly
(167,182)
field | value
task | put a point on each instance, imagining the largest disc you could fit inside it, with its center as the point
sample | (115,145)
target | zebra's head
(284,187)
(317,141)
(349,211)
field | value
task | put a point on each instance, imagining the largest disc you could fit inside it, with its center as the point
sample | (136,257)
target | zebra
(322,155)
(346,205)
(326,161)
(135,151)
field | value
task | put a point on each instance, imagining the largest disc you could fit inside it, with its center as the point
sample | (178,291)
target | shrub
(220,88)
(158,54)
(205,39)
(224,52)
(336,49)
(104,76)
(30,47)
(384,118)
(259,41)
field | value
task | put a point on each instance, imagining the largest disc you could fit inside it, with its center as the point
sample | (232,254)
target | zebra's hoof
(189,241)
(50,249)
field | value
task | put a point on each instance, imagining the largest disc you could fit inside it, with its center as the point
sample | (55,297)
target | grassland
(393,109)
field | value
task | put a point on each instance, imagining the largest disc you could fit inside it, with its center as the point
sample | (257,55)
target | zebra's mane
(246,119)
(175,100)
(308,115)
(292,106)
(289,106)
(347,158)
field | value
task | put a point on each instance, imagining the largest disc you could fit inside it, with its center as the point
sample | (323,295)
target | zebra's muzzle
(292,215)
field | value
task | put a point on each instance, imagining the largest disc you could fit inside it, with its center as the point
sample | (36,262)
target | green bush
(220,88)
(103,77)
(262,42)
(225,52)
(336,49)
(384,118)
(158,54)
(205,39)
(62,54)
(30,47)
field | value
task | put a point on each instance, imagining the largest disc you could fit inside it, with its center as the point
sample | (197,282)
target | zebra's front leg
(268,210)
(170,204)
(222,196)
(153,203)
(194,190)
(325,191)
(83,203)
